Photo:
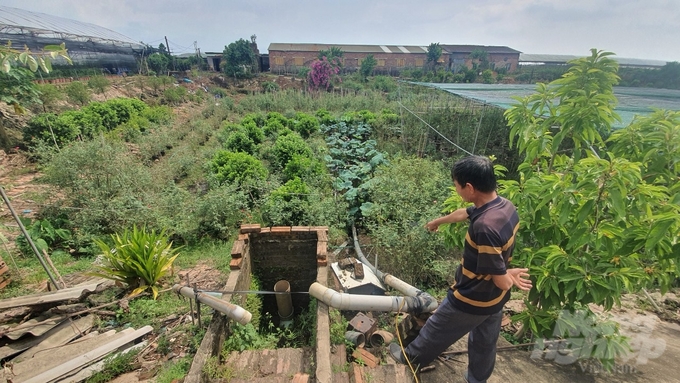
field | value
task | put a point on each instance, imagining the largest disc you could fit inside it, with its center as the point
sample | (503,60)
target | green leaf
(658,230)
(32,63)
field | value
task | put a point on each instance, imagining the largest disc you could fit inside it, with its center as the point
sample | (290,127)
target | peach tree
(599,217)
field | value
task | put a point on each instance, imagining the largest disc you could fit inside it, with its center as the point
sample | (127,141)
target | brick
(321,249)
(357,376)
(362,355)
(265,230)
(321,235)
(322,262)
(244,237)
(235,263)
(300,378)
(237,249)
(250,228)
(303,229)
(319,228)
(281,230)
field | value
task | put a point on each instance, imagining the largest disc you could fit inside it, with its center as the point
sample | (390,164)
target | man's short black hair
(475,170)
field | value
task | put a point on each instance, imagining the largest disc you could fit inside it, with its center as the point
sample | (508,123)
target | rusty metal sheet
(53,296)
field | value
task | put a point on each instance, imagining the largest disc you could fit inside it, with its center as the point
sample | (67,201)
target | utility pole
(167,46)
(198,55)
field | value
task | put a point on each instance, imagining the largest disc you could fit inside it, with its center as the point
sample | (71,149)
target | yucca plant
(139,258)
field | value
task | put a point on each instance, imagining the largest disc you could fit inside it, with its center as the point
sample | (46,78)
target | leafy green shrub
(103,183)
(240,142)
(108,115)
(305,124)
(98,83)
(287,146)
(404,195)
(287,205)
(257,118)
(126,108)
(77,93)
(487,76)
(220,211)
(228,167)
(269,87)
(302,167)
(246,337)
(44,235)
(384,84)
(325,117)
(158,114)
(365,116)
(273,128)
(175,95)
(254,132)
(49,96)
(139,258)
(40,128)
(276,116)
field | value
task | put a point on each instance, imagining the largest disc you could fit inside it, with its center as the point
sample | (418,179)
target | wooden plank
(83,360)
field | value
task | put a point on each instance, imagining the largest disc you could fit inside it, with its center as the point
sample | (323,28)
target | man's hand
(520,278)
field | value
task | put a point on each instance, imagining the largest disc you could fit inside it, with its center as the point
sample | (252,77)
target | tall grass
(295,100)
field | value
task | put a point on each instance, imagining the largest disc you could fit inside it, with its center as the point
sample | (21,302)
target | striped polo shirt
(488,249)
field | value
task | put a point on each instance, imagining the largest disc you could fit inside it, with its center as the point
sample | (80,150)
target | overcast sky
(648,29)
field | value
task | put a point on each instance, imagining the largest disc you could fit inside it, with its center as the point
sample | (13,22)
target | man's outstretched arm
(459,215)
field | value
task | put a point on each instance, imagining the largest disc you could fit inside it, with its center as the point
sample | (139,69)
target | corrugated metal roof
(401,49)
(470,48)
(53,296)
(19,21)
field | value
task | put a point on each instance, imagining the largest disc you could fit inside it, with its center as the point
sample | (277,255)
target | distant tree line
(667,77)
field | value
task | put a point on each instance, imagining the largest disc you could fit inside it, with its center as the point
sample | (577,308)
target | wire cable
(436,131)
(401,344)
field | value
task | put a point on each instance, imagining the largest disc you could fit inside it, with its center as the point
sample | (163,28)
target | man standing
(483,280)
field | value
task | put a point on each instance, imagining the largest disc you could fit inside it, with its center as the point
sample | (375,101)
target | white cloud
(630,28)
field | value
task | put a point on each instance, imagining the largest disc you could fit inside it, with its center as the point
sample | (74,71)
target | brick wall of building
(292,61)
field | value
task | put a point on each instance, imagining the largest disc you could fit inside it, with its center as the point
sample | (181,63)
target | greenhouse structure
(87,44)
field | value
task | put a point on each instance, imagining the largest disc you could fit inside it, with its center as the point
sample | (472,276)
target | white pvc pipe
(342,301)
(235,312)
(427,301)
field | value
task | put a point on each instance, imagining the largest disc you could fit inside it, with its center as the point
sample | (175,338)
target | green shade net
(632,101)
